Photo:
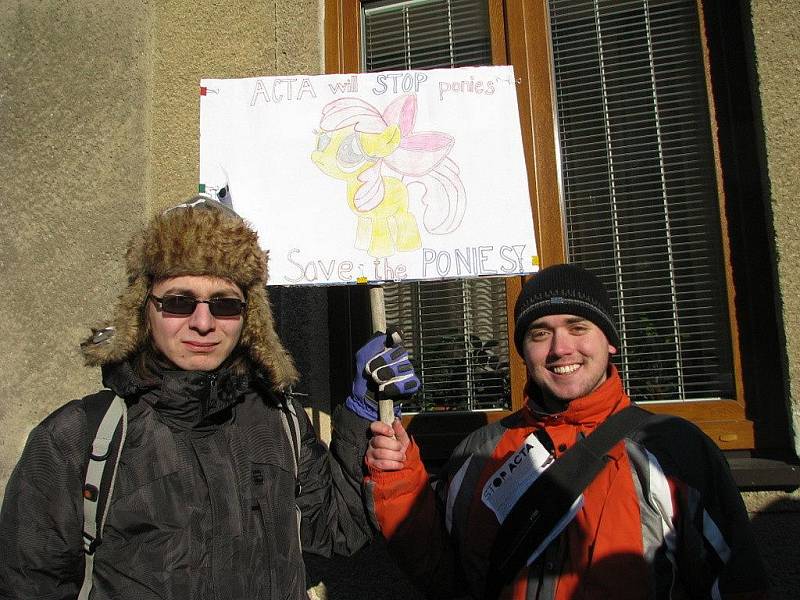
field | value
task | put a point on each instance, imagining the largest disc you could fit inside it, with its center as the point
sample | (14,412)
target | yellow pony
(380,157)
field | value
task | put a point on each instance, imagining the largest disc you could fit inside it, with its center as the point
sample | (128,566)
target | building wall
(776,38)
(776,33)
(76,171)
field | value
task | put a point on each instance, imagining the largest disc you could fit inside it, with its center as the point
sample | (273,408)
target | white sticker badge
(510,481)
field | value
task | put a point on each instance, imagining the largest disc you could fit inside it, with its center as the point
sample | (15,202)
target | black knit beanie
(564,290)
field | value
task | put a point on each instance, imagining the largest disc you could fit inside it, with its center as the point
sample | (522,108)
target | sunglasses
(185,305)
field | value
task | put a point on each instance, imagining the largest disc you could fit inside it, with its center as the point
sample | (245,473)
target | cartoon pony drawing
(384,163)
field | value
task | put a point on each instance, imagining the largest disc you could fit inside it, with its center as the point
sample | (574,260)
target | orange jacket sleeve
(411,518)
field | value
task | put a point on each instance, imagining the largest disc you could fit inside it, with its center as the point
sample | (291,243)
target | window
(458,341)
(625,178)
(639,188)
(425,34)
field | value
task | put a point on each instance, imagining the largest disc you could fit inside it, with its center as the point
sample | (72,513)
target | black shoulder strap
(95,406)
(551,495)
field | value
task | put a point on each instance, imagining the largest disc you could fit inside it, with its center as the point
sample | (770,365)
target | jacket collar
(587,411)
(184,399)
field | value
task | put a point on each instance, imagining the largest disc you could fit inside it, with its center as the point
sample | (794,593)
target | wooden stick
(378,311)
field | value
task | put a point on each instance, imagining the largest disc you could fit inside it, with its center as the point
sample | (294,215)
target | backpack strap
(106,419)
(542,508)
(291,426)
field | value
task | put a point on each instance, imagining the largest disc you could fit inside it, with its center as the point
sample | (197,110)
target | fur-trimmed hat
(564,290)
(199,237)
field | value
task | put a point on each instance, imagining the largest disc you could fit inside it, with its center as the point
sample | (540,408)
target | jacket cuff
(349,441)
(408,479)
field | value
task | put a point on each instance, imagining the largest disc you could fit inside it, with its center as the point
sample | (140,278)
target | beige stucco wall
(776,30)
(776,36)
(99,128)
(75,167)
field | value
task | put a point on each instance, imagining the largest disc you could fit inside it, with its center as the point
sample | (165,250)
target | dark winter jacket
(205,506)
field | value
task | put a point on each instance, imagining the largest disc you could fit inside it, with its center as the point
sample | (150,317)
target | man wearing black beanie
(564,330)
(659,516)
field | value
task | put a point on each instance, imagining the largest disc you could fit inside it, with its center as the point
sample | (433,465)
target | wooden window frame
(520,37)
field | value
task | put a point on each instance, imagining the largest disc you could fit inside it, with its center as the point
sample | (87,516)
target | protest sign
(373,177)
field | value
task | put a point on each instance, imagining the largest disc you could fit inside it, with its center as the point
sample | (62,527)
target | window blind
(456,331)
(639,190)
(459,342)
(420,34)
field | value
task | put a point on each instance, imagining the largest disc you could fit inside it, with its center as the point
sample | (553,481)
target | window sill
(764,473)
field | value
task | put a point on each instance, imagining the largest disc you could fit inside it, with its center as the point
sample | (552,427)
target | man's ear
(612,349)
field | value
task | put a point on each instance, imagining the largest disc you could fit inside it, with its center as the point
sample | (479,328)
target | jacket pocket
(277,518)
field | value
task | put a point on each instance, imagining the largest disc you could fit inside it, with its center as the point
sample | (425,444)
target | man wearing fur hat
(659,516)
(220,478)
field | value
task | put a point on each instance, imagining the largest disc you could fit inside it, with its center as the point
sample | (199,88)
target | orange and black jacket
(662,520)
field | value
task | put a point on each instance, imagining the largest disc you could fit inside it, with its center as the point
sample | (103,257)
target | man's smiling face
(567,357)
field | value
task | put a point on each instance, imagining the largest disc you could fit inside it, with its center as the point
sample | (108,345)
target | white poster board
(404,175)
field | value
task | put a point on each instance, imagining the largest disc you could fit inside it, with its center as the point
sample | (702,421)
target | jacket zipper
(212,392)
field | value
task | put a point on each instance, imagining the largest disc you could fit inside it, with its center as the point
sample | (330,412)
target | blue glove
(381,371)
